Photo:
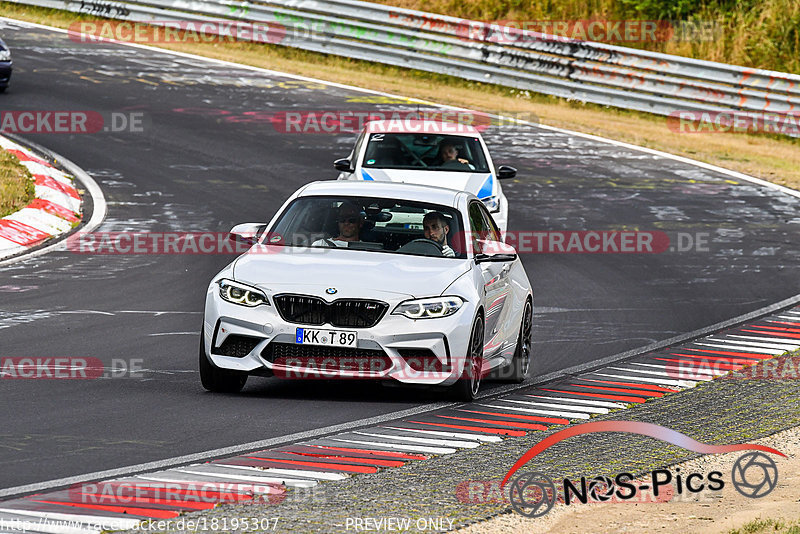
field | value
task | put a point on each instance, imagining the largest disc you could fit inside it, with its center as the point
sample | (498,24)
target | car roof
(420,126)
(397,190)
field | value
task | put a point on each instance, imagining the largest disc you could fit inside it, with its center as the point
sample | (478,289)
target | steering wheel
(420,245)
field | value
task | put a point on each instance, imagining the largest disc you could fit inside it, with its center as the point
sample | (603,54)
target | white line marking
(377,445)
(768,340)
(286,481)
(660,381)
(423,441)
(571,400)
(654,373)
(588,409)
(479,437)
(567,415)
(741,348)
(780,339)
(320,475)
(695,370)
(174,334)
(183,478)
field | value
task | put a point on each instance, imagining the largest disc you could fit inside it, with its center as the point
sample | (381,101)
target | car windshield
(430,152)
(372,224)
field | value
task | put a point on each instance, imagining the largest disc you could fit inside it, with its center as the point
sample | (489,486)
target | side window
(477,226)
(493,232)
(357,148)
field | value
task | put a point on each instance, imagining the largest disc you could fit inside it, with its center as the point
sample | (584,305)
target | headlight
(429,308)
(237,293)
(492,204)
(5,55)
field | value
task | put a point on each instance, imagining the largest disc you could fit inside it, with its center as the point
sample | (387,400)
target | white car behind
(411,152)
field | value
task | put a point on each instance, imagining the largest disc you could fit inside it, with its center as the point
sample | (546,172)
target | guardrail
(581,70)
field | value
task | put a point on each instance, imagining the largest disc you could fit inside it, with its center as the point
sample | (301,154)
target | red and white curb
(54,211)
(265,475)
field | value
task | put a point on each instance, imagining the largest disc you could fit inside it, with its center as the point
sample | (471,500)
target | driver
(448,154)
(436,229)
(350,220)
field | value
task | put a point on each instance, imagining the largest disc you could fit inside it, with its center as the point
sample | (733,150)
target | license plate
(318,336)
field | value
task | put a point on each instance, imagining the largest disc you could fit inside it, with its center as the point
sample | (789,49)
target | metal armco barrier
(581,70)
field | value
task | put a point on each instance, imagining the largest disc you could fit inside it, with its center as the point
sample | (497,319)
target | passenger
(350,221)
(436,229)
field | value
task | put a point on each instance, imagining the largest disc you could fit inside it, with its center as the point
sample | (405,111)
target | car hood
(354,274)
(480,184)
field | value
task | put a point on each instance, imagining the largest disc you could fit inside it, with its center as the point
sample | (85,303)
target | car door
(496,287)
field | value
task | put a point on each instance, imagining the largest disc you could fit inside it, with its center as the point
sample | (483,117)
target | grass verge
(764,526)
(775,159)
(16,184)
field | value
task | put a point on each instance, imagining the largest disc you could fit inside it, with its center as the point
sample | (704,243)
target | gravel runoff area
(434,494)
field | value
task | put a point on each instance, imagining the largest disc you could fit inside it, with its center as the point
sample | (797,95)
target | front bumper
(424,351)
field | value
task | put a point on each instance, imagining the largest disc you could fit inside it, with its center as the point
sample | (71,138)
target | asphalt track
(207,160)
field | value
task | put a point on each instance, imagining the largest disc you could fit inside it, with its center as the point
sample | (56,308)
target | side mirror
(495,251)
(505,171)
(247,232)
(343,165)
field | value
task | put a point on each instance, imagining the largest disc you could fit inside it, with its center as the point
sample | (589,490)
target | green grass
(16,184)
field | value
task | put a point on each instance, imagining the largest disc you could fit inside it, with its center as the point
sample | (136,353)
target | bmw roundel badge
(331,291)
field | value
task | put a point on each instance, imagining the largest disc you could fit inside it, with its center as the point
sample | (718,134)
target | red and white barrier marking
(55,209)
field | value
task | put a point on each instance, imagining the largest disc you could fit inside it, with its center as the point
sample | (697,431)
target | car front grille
(326,358)
(346,313)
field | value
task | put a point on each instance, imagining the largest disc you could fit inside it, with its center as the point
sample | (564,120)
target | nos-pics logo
(533,494)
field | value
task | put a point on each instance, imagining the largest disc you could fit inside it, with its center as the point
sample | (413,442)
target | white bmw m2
(373,280)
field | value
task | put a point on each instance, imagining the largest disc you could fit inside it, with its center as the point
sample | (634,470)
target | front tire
(219,380)
(517,370)
(467,386)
